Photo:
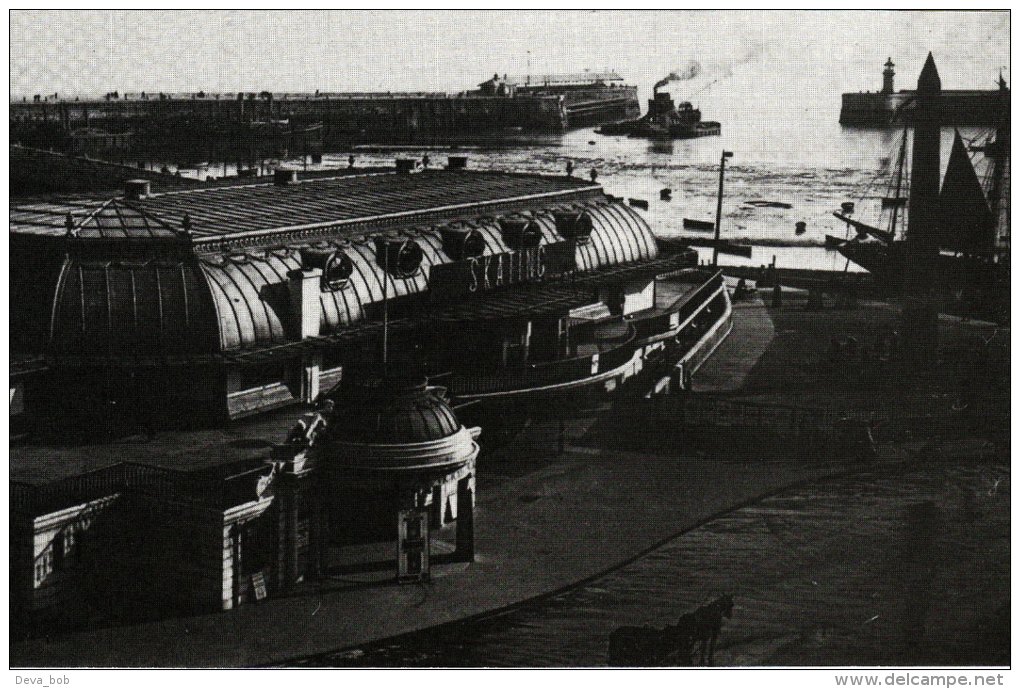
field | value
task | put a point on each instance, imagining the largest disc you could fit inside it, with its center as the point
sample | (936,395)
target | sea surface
(904,569)
(816,170)
(779,115)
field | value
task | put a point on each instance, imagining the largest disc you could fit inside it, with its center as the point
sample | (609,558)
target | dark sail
(967,224)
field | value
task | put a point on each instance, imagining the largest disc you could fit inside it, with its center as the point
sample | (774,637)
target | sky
(81,53)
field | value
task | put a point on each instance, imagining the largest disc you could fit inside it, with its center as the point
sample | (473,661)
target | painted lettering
(473,286)
(483,273)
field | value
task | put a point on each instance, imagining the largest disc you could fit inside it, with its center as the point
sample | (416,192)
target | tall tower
(920,312)
(887,76)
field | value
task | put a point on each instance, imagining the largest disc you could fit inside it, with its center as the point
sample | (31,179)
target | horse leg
(689,652)
(711,646)
(703,640)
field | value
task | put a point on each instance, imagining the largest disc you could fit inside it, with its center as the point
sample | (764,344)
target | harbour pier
(956,106)
(236,126)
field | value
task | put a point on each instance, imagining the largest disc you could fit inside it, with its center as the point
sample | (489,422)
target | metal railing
(73,490)
(694,302)
(164,483)
(538,375)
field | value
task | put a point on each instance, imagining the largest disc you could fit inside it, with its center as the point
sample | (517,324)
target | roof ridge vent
(283,177)
(136,189)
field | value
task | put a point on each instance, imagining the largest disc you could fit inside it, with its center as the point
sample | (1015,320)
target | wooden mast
(899,183)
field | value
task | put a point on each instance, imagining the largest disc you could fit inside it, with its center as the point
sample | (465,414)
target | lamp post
(718,207)
(386,312)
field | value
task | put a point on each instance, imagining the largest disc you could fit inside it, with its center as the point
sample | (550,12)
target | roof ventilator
(284,177)
(461,243)
(520,233)
(575,225)
(400,257)
(136,189)
(336,265)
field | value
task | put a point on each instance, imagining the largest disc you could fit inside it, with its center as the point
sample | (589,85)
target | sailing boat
(895,201)
(973,232)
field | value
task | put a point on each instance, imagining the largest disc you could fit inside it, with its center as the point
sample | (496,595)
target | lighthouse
(887,76)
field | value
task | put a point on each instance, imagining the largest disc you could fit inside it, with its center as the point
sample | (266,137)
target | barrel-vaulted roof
(196,287)
(250,294)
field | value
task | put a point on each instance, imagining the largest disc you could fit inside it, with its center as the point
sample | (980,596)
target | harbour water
(838,164)
(904,569)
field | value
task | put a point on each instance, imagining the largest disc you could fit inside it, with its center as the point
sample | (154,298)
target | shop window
(332,358)
(260,375)
(257,545)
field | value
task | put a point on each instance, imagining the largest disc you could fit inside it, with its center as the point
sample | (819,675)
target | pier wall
(35,171)
(208,121)
(956,107)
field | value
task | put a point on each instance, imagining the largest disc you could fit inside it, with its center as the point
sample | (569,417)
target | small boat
(698,225)
(833,243)
(865,230)
(768,204)
(724,247)
(638,203)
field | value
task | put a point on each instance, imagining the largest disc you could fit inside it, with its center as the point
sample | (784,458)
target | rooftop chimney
(304,287)
(282,177)
(135,189)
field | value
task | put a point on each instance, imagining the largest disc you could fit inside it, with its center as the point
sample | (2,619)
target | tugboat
(665,120)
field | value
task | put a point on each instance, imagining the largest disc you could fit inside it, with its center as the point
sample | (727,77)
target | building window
(332,358)
(42,567)
(260,375)
(69,551)
(58,552)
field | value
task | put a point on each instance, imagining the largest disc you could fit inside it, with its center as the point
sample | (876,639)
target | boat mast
(899,183)
(999,149)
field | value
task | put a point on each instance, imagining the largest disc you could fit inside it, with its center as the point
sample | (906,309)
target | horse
(706,623)
(650,646)
(674,644)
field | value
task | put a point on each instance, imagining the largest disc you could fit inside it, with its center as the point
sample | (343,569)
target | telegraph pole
(718,207)
(386,311)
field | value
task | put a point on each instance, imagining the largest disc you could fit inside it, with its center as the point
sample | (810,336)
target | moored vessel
(971,230)
(665,119)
